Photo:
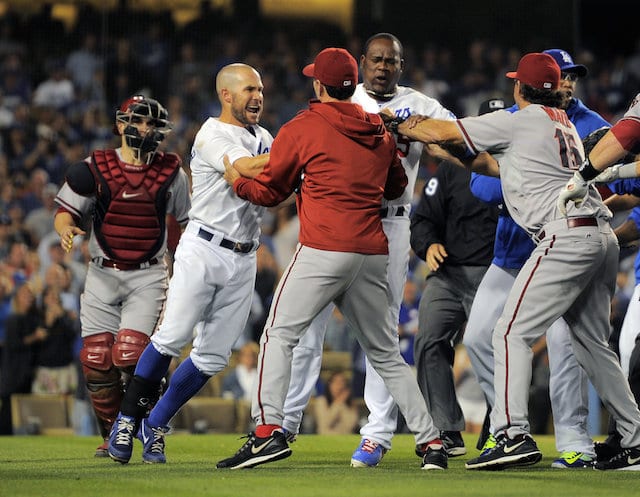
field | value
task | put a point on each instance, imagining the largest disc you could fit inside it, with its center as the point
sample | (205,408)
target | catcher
(127,193)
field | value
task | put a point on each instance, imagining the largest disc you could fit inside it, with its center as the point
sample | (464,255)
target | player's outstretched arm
(66,227)
(432,131)
(250,167)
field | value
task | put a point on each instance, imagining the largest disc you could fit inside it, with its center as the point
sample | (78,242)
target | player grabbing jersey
(342,162)
(381,66)
(567,381)
(214,270)
(575,258)
(127,192)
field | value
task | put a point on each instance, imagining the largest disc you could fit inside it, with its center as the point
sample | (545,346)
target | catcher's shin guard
(102,379)
(128,348)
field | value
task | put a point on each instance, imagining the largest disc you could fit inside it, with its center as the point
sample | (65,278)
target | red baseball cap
(334,67)
(539,70)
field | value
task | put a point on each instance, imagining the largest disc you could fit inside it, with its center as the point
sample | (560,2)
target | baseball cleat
(152,438)
(257,451)
(624,460)
(435,457)
(453,443)
(573,460)
(103,449)
(368,454)
(289,435)
(519,451)
(489,444)
(121,438)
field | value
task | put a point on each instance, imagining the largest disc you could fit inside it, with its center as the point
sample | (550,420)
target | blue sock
(184,384)
(152,365)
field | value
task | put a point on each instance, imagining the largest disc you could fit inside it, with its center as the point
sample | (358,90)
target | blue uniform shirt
(632,186)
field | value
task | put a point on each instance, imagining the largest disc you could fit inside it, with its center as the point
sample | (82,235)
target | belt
(572,222)
(384,212)
(243,248)
(125,266)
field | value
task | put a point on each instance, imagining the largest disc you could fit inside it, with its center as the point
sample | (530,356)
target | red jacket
(343,161)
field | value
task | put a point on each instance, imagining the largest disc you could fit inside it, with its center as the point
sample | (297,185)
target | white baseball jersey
(214,203)
(532,172)
(405,102)
(78,205)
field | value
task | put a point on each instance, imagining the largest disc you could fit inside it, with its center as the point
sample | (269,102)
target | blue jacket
(632,186)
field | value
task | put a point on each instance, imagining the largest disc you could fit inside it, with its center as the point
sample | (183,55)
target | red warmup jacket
(342,161)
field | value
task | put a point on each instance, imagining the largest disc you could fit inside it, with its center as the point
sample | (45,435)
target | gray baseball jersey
(571,272)
(106,288)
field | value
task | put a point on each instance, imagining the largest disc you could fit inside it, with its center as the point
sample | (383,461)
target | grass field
(64,466)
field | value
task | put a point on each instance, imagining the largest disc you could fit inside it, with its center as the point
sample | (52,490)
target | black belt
(573,222)
(243,248)
(126,266)
(384,212)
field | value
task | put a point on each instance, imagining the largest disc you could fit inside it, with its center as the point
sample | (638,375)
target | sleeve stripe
(467,139)
(69,208)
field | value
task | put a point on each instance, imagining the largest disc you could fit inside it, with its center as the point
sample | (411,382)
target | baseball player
(342,161)
(571,271)
(128,192)
(568,382)
(214,271)
(381,66)
(620,141)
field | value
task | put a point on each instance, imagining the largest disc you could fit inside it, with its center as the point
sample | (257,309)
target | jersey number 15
(569,153)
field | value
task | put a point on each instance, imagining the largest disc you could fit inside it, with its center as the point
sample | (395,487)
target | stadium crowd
(57,103)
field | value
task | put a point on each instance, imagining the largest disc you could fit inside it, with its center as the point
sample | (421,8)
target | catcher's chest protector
(129,220)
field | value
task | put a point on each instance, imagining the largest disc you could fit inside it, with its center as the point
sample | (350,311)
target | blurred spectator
(333,411)
(238,383)
(57,90)
(39,222)
(55,370)
(266,280)
(83,63)
(23,334)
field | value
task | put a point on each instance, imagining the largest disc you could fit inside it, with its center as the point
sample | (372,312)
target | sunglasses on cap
(569,76)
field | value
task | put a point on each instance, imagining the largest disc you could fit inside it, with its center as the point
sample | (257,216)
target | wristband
(587,171)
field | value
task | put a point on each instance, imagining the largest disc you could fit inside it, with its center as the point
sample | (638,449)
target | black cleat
(257,451)
(519,451)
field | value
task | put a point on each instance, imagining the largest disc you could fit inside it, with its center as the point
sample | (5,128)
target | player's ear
(401,65)
(362,59)
(226,95)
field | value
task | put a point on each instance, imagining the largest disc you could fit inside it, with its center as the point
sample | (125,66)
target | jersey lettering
(569,153)
(262,149)
(557,115)
(402,142)
(432,187)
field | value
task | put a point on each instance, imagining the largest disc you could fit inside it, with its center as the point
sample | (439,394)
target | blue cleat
(152,438)
(368,454)
(121,438)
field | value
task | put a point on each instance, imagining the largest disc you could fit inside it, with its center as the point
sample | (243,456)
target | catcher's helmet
(134,110)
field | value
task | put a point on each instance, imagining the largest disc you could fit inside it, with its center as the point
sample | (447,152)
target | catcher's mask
(138,109)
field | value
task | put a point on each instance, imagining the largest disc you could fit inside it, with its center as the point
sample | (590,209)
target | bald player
(128,192)
(214,269)
(571,271)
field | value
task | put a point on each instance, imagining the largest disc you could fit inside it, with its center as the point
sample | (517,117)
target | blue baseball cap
(565,61)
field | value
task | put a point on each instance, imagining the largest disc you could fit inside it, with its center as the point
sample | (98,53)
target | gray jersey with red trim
(404,103)
(533,168)
(634,109)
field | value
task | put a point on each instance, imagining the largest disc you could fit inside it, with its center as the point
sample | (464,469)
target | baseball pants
(357,284)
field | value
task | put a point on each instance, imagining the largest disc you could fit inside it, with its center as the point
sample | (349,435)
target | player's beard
(245,117)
